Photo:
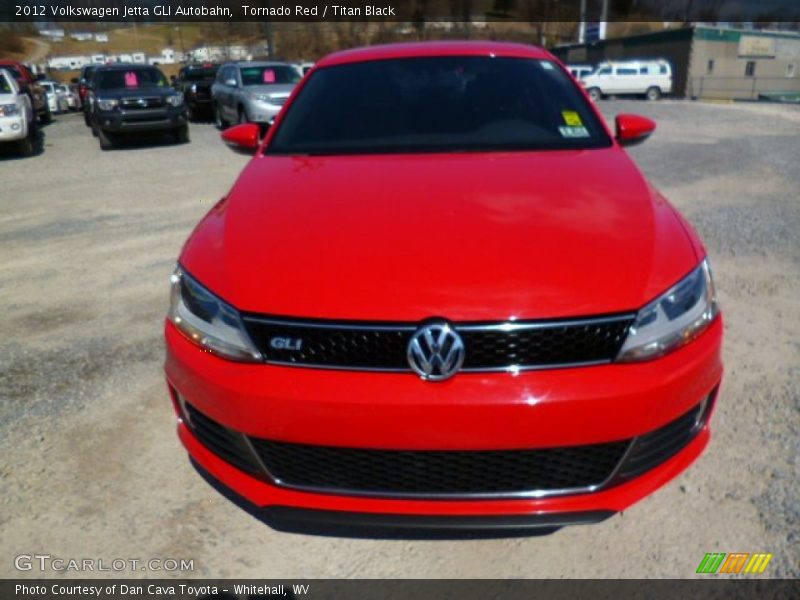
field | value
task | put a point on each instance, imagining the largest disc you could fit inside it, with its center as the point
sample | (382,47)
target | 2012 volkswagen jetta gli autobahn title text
(441,294)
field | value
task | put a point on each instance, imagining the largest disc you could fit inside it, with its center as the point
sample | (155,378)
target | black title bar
(770,11)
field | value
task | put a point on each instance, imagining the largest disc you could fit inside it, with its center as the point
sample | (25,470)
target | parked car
(84,79)
(443,295)
(651,78)
(252,92)
(132,99)
(56,100)
(580,71)
(195,82)
(17,119)
(84,83)
(29,85)
(70,95)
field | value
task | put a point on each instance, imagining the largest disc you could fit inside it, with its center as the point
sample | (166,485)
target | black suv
(134,99)
(194,81)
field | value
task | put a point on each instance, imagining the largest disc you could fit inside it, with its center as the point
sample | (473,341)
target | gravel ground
(89,462)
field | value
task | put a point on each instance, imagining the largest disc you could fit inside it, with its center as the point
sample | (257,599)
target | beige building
(709,62)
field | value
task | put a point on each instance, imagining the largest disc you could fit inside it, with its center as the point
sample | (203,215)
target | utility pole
(582,24)
(603,20)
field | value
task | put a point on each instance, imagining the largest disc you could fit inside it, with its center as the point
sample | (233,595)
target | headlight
(674,319)
(261,97)
(193,88)
(9,110)
(107,104)
(208,321)
(175,100)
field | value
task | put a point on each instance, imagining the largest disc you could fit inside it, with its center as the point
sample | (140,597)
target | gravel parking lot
(89,462)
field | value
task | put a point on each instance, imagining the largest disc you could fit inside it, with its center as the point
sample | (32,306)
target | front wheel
(595,94)
(182,135)
(106,141)
(653,93)
(218,120)
(47,117)
(26,146)
(243,115)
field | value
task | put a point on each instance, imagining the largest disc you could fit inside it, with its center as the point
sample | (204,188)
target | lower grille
(424,472)
(437,473)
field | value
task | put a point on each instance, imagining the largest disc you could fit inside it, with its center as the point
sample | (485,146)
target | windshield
(200,73)
(438,104)
(132,78)
(270,74)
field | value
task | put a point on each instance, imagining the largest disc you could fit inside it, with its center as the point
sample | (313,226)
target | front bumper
(262,112)
(13,128)
(539,409)
(133,121)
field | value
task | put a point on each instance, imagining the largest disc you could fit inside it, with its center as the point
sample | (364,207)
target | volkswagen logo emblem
(435,351)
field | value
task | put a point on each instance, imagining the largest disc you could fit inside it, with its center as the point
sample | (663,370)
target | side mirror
(242,138)
(231,82)
(633,129)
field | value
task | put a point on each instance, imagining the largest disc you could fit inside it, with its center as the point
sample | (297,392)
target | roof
(421,49)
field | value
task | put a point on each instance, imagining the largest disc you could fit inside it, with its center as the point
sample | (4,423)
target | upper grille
(488,347)
(139,103)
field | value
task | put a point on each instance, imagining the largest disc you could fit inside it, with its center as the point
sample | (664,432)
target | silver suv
(252,91)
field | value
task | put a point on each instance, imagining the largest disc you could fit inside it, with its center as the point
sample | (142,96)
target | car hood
(272,88)
(461,236)
(8,98)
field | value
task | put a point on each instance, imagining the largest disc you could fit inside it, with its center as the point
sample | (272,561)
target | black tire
(182,135)
(243,115)
(46,117)
(653,93)
(218,120)
(595,94)
(27,146)
(107,142)
(94,127)
(191,116)
(86,119)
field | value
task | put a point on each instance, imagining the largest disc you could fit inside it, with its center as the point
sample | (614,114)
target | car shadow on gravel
(145,141)
(360,531)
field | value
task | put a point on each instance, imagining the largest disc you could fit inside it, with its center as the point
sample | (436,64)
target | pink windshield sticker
(131,80)
(269,76)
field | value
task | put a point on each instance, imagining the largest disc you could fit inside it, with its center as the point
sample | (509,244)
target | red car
(441,295)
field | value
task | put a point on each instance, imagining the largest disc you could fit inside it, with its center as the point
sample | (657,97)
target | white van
(580,71)
(653,78)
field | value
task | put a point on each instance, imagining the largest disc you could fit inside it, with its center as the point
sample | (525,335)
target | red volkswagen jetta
(441,294)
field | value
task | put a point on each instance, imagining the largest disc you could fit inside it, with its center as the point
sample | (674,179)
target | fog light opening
(184,416)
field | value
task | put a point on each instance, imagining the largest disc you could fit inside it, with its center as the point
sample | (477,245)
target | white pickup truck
(651,78)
